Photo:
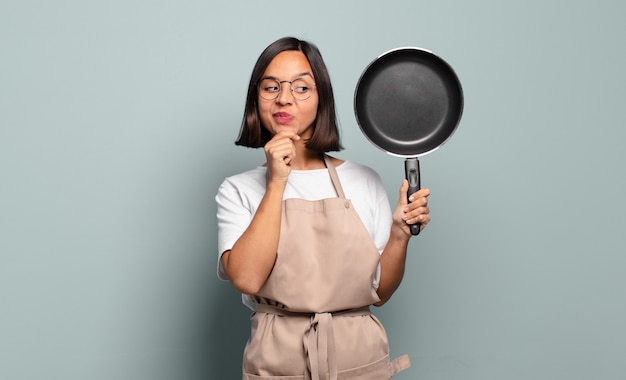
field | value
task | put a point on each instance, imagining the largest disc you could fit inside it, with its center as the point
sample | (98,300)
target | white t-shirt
(239,196)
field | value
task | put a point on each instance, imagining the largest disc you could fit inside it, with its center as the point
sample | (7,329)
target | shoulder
(361,182)
(243,188)
(355,169)
(249,179)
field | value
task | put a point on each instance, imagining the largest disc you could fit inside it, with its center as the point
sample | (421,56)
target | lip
(282,117)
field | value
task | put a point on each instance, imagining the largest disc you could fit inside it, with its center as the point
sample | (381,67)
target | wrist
(398,235)
(275,189)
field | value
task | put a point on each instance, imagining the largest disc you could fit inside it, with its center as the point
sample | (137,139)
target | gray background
(117,122)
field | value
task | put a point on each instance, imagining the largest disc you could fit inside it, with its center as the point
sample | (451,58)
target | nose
(285,96)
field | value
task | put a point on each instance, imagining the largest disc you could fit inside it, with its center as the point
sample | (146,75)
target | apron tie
(319,348)
(319,339)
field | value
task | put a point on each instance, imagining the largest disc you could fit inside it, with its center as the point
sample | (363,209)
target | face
(286,112)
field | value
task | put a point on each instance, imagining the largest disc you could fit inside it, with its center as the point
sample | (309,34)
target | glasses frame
(280,87)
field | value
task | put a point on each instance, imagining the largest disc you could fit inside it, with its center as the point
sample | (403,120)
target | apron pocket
(275,347)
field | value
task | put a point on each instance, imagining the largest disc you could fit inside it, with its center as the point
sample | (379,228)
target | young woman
(308,239)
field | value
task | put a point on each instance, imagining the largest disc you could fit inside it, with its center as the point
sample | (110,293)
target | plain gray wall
(117,122)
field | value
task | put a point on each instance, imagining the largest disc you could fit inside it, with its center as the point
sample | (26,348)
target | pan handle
(412,173)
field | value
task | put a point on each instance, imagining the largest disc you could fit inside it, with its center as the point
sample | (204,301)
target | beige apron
(312,318)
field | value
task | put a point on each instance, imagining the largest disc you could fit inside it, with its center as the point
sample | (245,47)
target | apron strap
(400,364)
(334,177)
(319,339)
(319,348)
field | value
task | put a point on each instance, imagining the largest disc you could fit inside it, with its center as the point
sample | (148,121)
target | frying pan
(408,102)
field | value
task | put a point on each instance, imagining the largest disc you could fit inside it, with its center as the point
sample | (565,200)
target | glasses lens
(269,89)
(302,88)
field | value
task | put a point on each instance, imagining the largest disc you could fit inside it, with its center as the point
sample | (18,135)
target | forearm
(252,257)
(392,265)
(393,258)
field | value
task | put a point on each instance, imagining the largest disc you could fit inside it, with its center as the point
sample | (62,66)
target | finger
(276,147)
(279,143)
(421,193)
(418,215)
(286,135)
(284,156)
(282,140)
(279,146)
(403,198)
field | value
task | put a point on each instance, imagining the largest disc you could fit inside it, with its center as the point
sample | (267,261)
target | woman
(308,239)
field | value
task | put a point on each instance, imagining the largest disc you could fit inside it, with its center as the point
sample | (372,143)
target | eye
(301,89)
(301,86)
(269,86)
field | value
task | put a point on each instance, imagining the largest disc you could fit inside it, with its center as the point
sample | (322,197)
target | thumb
(403,200)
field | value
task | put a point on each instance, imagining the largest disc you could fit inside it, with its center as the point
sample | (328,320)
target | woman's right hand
(250,261)
(280,152)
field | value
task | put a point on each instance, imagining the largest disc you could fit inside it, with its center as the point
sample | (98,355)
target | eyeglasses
(301,88)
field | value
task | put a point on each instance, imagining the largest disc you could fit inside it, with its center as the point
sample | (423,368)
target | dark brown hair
(325,137)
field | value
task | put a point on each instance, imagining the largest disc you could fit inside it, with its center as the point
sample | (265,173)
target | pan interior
(408,102)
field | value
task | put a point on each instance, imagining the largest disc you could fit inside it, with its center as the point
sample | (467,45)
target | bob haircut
(325,137)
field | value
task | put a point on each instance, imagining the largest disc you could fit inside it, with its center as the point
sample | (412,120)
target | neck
(307,159)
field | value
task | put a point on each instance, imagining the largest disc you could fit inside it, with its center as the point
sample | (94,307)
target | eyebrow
(296,77)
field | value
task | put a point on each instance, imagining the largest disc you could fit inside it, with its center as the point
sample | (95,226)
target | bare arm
(393,258)
(250,261)
(252,257)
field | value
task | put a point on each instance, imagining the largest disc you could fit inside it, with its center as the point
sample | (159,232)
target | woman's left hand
(392,260)
(412,210)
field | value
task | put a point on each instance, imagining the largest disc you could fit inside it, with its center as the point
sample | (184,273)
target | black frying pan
(408,102)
